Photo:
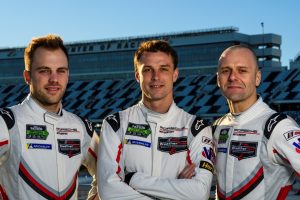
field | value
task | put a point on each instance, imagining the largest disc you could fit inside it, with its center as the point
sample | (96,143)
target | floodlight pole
(263,41)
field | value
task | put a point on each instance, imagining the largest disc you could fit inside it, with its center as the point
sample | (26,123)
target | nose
(232,75)
(155,75)
(53,77)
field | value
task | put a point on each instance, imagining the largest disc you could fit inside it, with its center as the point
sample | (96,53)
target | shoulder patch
(272,122)
(114,121)
(8,117)
(89,126)
(198,125)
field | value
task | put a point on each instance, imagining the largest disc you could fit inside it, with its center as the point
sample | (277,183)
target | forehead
(237,57)
(155,57)
(49,58)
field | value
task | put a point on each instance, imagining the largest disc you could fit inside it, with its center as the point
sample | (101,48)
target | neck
(157,106)
(241,106)
(54,108)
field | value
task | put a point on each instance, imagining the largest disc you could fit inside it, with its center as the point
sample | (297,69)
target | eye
(44,71)
(224,71)
(62,70)
(242,70)
(146,70)
(164,69)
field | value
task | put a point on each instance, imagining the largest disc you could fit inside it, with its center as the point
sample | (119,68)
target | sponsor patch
(140,130)
(38,146)
(66,131)
(291,134)
(244,132)
(297,145)
(222,150)
(171,129)
(208,153)
(137,142)
(207,166)
(172,144)
(207,140)
(37,132)
(224,134)
(242,150)
(69,147)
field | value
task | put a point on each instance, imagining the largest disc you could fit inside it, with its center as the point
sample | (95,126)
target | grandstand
(197,94)
(102,77)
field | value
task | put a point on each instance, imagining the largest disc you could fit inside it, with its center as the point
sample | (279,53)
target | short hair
(240,46)
(49,41)
(155,46)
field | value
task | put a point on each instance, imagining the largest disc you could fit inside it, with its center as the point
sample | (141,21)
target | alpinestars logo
(272,122)
(4,112)
(89,124)
(199,124)
(112,117)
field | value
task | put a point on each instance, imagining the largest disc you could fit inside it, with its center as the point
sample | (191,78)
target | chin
(235,98)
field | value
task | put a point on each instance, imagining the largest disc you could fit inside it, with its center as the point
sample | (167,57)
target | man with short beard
(42,146)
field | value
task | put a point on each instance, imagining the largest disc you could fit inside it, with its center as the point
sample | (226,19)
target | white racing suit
(258,154)
(41,152)
(142,153)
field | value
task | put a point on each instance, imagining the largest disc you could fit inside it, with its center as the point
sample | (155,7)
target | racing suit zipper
(152,120)
(52,120)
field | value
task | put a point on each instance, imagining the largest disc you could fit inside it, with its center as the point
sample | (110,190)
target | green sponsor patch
(224,134)
(140,130)
(37,132)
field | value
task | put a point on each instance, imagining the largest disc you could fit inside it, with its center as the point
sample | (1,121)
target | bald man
(258,149)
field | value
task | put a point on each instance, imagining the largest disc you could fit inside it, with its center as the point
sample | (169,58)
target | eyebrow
(239,66)
(45,67)
(165,65)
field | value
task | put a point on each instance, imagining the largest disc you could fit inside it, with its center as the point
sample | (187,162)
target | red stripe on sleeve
(5,142)
(119,157)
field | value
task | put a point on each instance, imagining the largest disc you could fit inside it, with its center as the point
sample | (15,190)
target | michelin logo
(38,146)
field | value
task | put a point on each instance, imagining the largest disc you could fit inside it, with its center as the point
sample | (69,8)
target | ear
(137,76)
(218,80)
(175,75)
(258,78)
(26,75)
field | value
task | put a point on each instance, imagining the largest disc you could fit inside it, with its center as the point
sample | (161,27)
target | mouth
(234,87)
(156,86)
(52,89)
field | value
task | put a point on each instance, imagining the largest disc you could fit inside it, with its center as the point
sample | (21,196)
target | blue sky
(80,20)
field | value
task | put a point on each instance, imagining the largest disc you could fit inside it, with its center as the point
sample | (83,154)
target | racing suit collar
(36,108)
(152,116)
(251,112)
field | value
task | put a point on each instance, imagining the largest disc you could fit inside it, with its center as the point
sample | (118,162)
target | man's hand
(188,172)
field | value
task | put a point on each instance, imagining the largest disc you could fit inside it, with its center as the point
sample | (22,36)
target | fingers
(188,172)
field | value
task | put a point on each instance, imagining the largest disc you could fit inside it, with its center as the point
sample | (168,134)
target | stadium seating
(197,94)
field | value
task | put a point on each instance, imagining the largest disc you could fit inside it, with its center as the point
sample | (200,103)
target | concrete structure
(113,58)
